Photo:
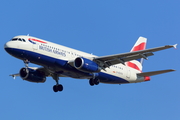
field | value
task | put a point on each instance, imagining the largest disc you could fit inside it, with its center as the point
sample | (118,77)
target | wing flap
(154,72)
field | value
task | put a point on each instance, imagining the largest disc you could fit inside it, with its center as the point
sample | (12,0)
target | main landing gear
(57,87)
(94,81)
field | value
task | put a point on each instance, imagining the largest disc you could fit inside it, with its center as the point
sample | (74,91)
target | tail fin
(139,45)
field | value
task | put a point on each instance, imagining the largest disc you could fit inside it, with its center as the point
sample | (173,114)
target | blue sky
(101,27)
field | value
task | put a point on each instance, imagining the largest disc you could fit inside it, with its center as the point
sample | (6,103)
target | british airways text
(45,48)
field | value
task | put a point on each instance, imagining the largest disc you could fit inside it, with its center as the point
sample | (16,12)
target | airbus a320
(60,61)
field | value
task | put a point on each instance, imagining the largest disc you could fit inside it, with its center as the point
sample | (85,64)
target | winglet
(175,46)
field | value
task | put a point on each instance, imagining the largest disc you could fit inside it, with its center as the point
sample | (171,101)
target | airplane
(59,61)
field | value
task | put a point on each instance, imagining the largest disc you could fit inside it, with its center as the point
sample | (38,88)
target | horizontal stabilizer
(154,72)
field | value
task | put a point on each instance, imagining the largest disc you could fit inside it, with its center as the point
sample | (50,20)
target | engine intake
(32,75)
(86,65)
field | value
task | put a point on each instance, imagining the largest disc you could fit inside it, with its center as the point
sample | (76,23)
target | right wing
(44,70)
(14,75)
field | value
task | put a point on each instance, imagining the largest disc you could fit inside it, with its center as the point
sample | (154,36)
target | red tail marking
(36,40)
(132,65)
(139,47)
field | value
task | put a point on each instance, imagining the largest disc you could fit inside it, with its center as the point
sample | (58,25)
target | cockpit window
(18,39)
(14,39)
(23,40)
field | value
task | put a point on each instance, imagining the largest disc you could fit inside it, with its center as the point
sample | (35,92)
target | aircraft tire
(60,87)
(91,82)
(55,89)
(96,81)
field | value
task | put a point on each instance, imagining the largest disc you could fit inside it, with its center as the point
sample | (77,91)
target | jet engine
(32,75)
(86,65)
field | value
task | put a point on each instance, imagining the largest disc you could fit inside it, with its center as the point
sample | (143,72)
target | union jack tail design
(139,45)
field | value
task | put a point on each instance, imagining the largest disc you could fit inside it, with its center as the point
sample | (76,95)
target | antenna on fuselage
(27,34)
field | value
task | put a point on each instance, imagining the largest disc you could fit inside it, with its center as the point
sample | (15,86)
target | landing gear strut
(26,62)
(57,87)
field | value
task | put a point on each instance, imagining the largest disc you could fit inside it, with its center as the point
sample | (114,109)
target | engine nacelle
(86,65)
(32,75)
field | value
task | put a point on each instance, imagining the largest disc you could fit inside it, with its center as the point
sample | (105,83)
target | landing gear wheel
(91,82)
(60,87)
(96,81)
(57,88)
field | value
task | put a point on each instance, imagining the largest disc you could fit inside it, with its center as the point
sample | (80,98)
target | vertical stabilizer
(139,45)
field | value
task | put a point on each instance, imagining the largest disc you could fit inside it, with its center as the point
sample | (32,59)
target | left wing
(106,61)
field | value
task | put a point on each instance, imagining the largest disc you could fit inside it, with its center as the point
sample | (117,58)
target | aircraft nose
(8,46)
